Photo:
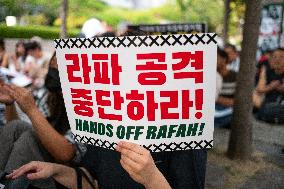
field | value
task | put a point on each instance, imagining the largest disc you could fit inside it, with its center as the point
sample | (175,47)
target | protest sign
(159,29)
(157,91)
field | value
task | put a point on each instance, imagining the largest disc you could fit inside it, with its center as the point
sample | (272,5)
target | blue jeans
(223,116)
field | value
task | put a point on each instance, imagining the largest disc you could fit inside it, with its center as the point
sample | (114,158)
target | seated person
(266,65)
(4,57)
(263,61)
(271,85)
(21,143)
(136,160)
(36,64)
(233,57)
(131,166)
(225,100)
(18,59)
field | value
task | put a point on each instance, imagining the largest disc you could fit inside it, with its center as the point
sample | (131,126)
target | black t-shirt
(264,63)
(182,169)
(274,95)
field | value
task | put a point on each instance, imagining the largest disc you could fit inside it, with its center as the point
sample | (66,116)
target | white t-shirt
(234,65)
(219,81)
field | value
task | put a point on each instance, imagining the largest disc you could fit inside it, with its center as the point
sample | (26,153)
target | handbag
(81,174)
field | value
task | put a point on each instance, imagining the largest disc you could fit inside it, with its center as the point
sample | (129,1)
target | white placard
(157,91)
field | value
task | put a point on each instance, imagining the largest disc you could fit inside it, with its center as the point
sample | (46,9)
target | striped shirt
(229,85)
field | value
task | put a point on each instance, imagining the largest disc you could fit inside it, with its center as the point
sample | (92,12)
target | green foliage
(236,16)
(113,16)
(72,21)
(47,12)
(208,11)
(170,12)
(39,19)
(30,31)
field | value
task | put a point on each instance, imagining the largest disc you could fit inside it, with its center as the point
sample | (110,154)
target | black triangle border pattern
(137,41)
(202,144)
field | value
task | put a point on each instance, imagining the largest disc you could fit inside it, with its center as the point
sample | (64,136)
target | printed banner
(270,27)
(160,29)
(157,91)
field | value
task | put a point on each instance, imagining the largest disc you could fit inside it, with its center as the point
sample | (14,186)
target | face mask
(52,80)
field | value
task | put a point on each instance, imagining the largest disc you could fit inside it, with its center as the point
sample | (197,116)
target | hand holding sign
(139,164)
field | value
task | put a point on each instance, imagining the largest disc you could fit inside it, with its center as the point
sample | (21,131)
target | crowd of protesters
(28,61)
(37,149)
(268,96)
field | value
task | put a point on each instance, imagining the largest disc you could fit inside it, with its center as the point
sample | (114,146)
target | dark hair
(33,46)
(268,51)
(133,33)
(17,45)
(2,44)
(223,54)
(58,115)
(107,34)
(279,49)
(233,47)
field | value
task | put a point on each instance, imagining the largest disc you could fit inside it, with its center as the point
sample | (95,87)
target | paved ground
(264,179)
(266,172)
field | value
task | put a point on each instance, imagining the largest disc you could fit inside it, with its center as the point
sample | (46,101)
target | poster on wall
(156,91)
(270,28)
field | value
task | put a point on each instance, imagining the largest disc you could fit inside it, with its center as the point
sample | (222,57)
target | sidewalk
(266,170)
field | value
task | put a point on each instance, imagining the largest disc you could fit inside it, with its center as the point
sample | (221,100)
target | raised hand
(22,96)
(5,98)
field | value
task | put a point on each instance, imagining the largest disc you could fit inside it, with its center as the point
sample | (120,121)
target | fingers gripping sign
(137,162)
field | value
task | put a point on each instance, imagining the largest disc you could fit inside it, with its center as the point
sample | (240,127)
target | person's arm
(5,98)
(5,61)
(56,144)
(41,170)
(11,112)
(140,166)
(16,63)
(280,88)
(262,87)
